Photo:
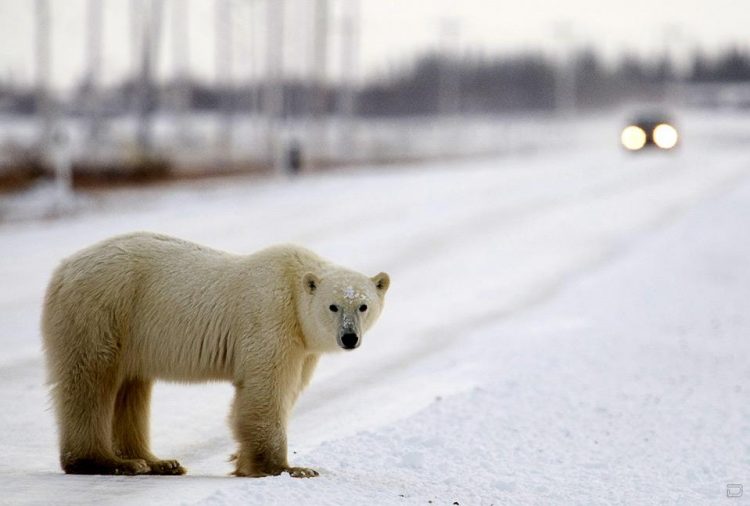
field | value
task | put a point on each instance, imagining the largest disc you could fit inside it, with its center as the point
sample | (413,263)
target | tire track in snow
(494,218)
(436,340)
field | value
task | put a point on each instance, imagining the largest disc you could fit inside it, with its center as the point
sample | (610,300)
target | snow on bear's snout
(351,313)
(350,308)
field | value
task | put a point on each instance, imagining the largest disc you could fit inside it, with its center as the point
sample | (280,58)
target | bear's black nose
(349,341)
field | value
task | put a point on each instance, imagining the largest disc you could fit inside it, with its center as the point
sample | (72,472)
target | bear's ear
(382,282)
(310,281)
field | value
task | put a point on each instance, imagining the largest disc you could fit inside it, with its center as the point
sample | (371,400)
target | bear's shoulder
(296,260)
(142,239)
(154,242)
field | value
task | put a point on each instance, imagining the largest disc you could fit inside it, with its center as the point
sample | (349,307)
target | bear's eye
(333,307)
(363,308)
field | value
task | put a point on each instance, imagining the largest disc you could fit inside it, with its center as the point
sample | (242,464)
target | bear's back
(169,302)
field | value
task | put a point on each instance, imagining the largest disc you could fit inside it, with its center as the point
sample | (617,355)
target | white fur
(140,307)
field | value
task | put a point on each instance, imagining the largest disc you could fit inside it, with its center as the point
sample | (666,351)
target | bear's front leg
(259,423)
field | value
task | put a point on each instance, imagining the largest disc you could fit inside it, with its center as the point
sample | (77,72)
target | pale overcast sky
(392,31)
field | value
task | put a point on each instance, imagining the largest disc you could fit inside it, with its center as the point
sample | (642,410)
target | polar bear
(140,307)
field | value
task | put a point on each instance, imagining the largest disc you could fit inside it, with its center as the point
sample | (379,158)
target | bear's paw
(301,472)
(166,467)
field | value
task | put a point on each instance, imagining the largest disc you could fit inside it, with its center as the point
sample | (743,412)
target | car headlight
(633,137)
(665,136)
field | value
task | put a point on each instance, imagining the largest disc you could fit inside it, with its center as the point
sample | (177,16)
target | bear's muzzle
(349,341)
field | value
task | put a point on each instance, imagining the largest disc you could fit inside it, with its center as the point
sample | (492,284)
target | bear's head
(338,307)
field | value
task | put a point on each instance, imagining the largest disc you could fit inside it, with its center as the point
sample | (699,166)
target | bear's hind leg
(84,408)
(130,427)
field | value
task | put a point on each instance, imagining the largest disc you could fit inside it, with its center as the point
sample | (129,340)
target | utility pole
(254,32)
(93,72)
(144,87)
(448,91)
(349,70)
(150,24)
(448,102)
(223,63)
(181,59)
(273,97)
(53,142)
(320,77)
(565,80)
(135,15)
(43,65)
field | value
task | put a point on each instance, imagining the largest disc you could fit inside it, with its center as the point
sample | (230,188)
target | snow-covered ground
(567,327)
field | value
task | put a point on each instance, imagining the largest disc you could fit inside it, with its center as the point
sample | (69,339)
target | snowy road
(582,315)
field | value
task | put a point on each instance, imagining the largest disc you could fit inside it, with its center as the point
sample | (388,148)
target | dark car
(650,131)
